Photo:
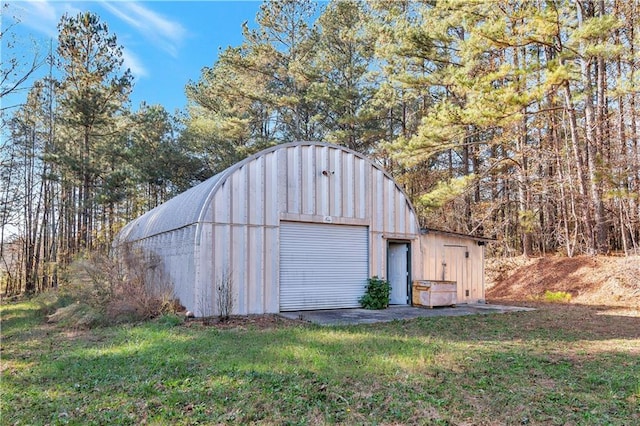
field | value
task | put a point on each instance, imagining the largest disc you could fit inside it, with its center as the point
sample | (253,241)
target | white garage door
(322,266)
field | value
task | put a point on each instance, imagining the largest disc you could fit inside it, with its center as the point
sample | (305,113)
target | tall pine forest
(515,120)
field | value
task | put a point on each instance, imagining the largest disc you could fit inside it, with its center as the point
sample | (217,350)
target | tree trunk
(580,168)
(593,133)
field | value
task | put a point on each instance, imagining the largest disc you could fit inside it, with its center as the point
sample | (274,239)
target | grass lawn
(561,364)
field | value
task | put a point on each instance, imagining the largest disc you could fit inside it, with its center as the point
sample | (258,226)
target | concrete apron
(397,312)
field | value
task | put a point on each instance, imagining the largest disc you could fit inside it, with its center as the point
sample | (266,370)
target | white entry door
(398,272)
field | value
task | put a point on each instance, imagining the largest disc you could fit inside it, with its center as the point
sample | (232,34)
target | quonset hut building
(300,226)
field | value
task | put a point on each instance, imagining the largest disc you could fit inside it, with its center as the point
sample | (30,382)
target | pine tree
(343,85)
(94,90)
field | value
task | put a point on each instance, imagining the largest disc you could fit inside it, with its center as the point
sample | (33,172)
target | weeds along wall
(178,251)
(171,232)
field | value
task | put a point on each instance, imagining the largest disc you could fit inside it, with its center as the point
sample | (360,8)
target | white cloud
(131,61)
(42,16)
(38,15)
(164,33)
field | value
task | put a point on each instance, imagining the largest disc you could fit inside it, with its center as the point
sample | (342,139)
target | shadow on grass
(18,318)
(478,369)
(551,321)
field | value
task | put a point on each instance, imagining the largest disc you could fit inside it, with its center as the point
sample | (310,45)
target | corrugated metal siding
(322,266)
(240,211)
(178,252)
(288,183)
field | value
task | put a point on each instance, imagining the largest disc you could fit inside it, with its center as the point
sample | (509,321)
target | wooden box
(430,293)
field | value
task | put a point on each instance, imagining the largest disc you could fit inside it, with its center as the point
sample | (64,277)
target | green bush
(170,319)
(48,301)
(556,296)
(376,295)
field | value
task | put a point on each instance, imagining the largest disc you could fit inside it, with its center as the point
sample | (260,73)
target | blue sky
(166,43)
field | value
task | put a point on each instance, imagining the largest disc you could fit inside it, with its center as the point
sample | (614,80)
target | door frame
(409,278)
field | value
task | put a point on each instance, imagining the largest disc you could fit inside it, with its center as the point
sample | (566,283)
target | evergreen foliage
(516,120)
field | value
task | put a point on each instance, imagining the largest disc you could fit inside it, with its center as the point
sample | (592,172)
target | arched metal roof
(180,211)
(190,207)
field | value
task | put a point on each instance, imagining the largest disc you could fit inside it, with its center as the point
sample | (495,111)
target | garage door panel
(322,266)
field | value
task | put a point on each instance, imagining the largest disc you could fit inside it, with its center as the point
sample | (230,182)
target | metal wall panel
(179,253)
(322,266)
(348,190)
(240,211)
(271,190)
(308,181)
(270,281)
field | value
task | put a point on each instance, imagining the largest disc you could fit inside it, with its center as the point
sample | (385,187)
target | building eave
(456,234)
